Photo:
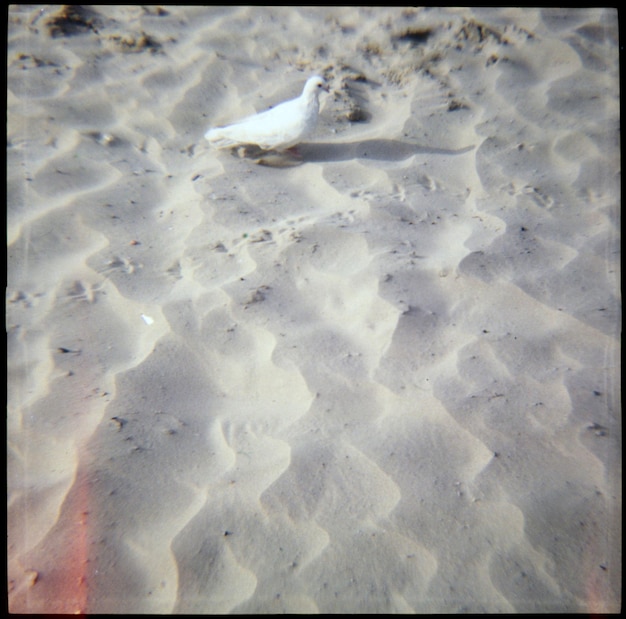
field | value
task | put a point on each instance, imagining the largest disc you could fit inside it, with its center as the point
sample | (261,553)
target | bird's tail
(218,138)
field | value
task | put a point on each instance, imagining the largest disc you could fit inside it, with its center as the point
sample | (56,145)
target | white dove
(278,128)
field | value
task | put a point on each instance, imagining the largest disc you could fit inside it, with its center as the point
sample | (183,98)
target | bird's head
(315,84)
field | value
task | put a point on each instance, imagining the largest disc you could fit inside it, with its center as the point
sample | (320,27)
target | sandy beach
(381,377)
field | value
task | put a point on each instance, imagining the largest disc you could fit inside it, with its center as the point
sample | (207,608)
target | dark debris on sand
(73,19)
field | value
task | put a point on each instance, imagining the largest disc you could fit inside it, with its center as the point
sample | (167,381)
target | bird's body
(278,128)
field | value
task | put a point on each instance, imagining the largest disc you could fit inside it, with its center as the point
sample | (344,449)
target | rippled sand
(382,378)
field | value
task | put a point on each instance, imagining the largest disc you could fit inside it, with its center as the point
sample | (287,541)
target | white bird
(278,128)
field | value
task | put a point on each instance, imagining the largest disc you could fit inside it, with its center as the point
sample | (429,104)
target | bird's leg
(294,152)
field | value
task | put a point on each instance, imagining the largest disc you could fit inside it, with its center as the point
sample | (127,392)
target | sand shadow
(380,150)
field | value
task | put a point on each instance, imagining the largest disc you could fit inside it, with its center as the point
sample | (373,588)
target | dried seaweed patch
(72,20)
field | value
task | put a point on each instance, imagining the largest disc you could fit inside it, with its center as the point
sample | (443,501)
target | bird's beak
(326,87)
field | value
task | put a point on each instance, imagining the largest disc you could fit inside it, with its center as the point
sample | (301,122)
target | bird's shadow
(317,152)
(379,150)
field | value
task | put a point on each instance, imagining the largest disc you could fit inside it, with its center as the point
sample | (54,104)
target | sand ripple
(381,379)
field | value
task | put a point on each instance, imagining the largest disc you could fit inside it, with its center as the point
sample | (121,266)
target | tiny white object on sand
(147,319)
